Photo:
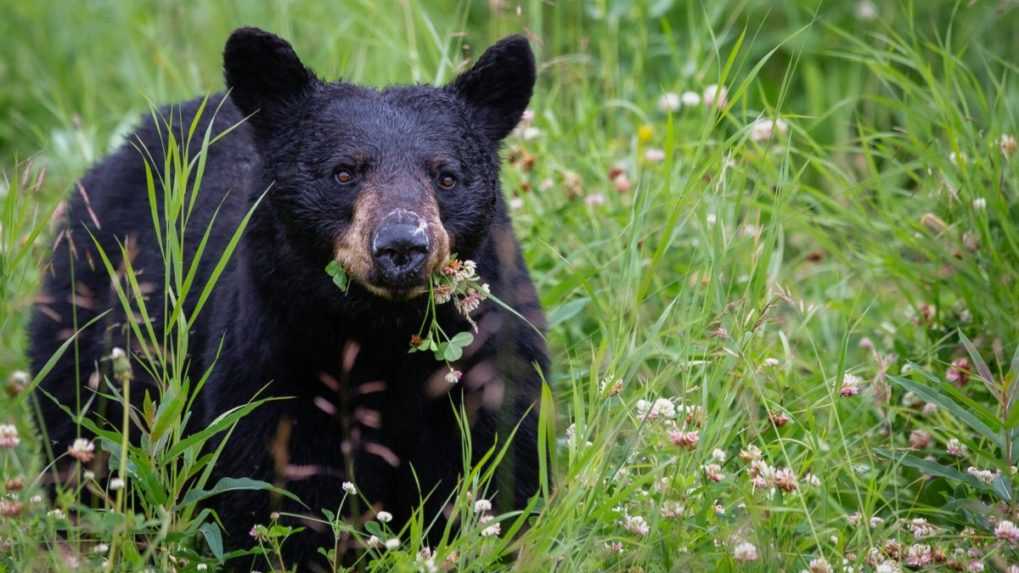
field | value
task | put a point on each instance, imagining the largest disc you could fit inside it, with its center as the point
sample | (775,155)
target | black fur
(276,319)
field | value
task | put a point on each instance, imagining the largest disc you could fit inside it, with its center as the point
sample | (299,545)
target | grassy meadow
(777,242)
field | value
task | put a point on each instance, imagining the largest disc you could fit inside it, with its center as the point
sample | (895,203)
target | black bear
(388,183)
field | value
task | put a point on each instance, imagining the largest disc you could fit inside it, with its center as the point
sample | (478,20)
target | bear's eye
(344,177)
(447,181)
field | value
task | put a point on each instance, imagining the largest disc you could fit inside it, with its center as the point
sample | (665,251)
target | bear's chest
(361,397)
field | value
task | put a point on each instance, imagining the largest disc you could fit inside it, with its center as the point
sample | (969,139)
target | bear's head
(388,182)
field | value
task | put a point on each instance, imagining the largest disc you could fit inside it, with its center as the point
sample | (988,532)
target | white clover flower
(571,432)
(745,551)
(469,270)
(718,455)
(384,517)
(919,439)
(887,567)
(690,99)
(663,408)
(819,565)
(82,450)
(442,293)
(750,453)
(643,407)
(911,400)
(1007,531)
(482,505)
(470,301)
(349,488)
(19,377)
(918,555)
(636,524)
(654,155)
(1007,144)
(393,543)
(921,528)
(866,10)
(492,530)
(453,376)
(10,508)
(985,476)
(760,468)
(426,557)
(765,129)
(672,509)
(660,408)
(116,484)
(785,480)
(714,472)
(17,382)
(850,385)
(955,448)
(9,436)
(716,96)
(669,101)
(526,122)
(685,440)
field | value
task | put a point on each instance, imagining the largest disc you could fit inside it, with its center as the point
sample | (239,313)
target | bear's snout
(400,248)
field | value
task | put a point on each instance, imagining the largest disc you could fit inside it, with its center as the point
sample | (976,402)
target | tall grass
(820,312)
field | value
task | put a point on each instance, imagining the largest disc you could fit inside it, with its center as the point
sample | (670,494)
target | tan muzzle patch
(354,247)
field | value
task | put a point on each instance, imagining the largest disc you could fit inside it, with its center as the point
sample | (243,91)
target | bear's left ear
(264,75)
(498,87)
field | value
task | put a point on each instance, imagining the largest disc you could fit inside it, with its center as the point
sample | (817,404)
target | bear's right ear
(264,75)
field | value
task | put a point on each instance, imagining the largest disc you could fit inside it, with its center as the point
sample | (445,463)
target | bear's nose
(400,249)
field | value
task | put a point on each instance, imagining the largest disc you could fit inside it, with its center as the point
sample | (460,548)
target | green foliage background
(741,280)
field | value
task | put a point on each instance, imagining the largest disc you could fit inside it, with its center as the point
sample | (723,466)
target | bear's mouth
(394,257)
(401,293)
(362,273)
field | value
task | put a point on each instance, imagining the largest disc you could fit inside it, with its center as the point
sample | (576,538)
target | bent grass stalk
(172,476)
